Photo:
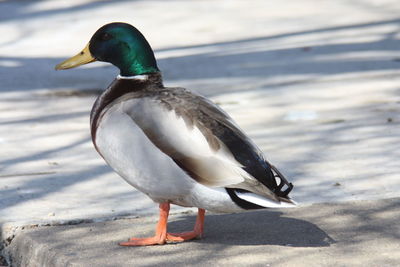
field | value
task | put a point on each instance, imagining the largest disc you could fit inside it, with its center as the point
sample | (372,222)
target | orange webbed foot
(161,237)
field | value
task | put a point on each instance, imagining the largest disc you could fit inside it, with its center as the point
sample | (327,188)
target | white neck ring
(135,77)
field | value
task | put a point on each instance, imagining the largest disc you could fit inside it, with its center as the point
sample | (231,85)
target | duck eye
(106,37)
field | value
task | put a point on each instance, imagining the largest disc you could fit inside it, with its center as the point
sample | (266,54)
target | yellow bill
(84,57)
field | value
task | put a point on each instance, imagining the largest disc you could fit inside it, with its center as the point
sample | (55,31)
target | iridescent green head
(120,44)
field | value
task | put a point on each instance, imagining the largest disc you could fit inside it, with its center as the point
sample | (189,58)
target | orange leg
(161,231)
(161,236)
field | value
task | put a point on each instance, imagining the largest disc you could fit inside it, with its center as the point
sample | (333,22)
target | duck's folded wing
(204,141)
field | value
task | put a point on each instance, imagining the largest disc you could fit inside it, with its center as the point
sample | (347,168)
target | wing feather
(186,145)
(204,141)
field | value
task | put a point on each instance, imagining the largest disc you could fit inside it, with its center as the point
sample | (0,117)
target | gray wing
(228,158)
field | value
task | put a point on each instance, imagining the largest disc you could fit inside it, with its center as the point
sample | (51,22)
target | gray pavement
(314,83)
(356,233)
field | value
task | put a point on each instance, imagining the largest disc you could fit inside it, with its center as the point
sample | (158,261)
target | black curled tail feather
(278,190)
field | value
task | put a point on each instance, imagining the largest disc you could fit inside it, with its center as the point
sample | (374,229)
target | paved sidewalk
(361,233)
(314,83)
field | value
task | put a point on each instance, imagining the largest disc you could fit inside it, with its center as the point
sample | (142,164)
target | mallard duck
(175,146)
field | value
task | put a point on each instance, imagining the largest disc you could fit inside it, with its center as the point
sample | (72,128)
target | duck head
(120,44)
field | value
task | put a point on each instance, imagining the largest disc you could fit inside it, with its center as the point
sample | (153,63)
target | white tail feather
(262,201)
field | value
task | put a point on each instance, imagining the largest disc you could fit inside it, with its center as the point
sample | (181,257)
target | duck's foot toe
(149,241)
(180,237)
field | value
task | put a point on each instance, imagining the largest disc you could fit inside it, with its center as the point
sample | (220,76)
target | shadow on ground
(258,228)
(246,58)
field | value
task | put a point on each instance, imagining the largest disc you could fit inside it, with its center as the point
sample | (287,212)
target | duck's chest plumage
(128,150)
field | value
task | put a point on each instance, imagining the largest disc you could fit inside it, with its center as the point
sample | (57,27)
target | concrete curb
(345,234)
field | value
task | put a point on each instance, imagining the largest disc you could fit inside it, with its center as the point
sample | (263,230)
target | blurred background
(314,83)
